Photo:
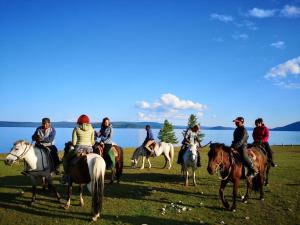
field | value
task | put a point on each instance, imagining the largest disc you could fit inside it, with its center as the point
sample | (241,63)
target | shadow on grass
(146,220)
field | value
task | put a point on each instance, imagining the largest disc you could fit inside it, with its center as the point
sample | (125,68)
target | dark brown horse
(117,171)
(229,163)
(86,169)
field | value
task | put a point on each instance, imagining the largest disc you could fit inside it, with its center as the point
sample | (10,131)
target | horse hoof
(31,203)
(262,199)
(66,207)
(245,201)
(94,218)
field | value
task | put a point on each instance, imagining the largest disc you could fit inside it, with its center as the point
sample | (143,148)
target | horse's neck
(31,158)
(138,152)
(226,159)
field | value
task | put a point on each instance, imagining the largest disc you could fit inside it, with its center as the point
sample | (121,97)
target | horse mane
(220,145)
(22,141)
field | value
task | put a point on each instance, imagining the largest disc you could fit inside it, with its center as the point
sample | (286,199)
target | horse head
(18,152)
(98,148)
(135,156)
(192,152)
(68,147)
(215,156)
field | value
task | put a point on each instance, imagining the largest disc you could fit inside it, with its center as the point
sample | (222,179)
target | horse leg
(249,187)
(33,180)
(149,163)
(186,177)
(261,177)
(52,187)
(236,184)
(166,162)
(113,174)
(267,175)
(167,158)
(44,184)
(194,177)
(221,193)
(143,163)
(67,205)
(81,203)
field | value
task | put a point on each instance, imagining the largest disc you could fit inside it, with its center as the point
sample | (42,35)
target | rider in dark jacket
(240,137)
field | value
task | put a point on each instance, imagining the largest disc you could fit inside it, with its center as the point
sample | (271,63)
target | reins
(222,162)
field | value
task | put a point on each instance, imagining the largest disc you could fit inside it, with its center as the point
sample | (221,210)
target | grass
(141,194)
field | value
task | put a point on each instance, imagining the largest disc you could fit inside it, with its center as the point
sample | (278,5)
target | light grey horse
(162,148)
(37,164)
(190,160)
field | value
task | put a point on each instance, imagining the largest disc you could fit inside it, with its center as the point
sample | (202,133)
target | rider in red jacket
(261,135)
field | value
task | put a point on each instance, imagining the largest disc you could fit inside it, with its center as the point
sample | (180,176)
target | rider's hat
(239,119)
(83,119)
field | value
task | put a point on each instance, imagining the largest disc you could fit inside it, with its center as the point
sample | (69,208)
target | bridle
(221,162)
(19,157)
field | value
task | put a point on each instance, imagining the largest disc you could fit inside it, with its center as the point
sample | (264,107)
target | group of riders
(84,137)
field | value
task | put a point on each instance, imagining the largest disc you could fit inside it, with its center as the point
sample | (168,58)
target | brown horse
(86,169)
(117,171)
(231,169)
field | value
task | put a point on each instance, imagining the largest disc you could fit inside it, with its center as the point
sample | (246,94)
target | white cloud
(280,73)
(240,36)
(278,44)
(290,11)
(168,106)
(261,13)
(174,102)
(222,18)
(291,66)
(143,105)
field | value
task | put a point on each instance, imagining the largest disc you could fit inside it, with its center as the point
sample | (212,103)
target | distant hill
(122,124)
(291,127)
(64,124)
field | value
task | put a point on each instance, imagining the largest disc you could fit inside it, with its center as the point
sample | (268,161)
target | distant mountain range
(291,127)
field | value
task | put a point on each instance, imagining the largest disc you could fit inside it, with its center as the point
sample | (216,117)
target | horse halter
(222,162)
(19,157)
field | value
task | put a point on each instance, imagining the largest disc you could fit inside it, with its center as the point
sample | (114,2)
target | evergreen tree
(193,120)
(167,134)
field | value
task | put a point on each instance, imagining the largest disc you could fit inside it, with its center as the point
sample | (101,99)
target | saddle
(99,150)
(79,170)
(237,159)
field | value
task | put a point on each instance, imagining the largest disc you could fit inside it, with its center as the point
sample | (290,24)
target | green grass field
(139,197)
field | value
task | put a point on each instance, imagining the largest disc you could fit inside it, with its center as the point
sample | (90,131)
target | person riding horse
(191,137)
(82,140)
(149,140)
(44,138)
(261,136)
(239,143)
(105,135)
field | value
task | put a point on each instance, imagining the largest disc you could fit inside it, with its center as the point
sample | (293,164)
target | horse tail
(256,183)
(119,164)
(98,184)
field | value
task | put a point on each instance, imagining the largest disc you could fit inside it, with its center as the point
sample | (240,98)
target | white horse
(37,163)
(162,148)
(190,160)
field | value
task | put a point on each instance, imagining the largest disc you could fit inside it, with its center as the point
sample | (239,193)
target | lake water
(135,137)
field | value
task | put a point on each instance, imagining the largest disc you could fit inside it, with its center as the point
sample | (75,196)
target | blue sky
(150,60)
